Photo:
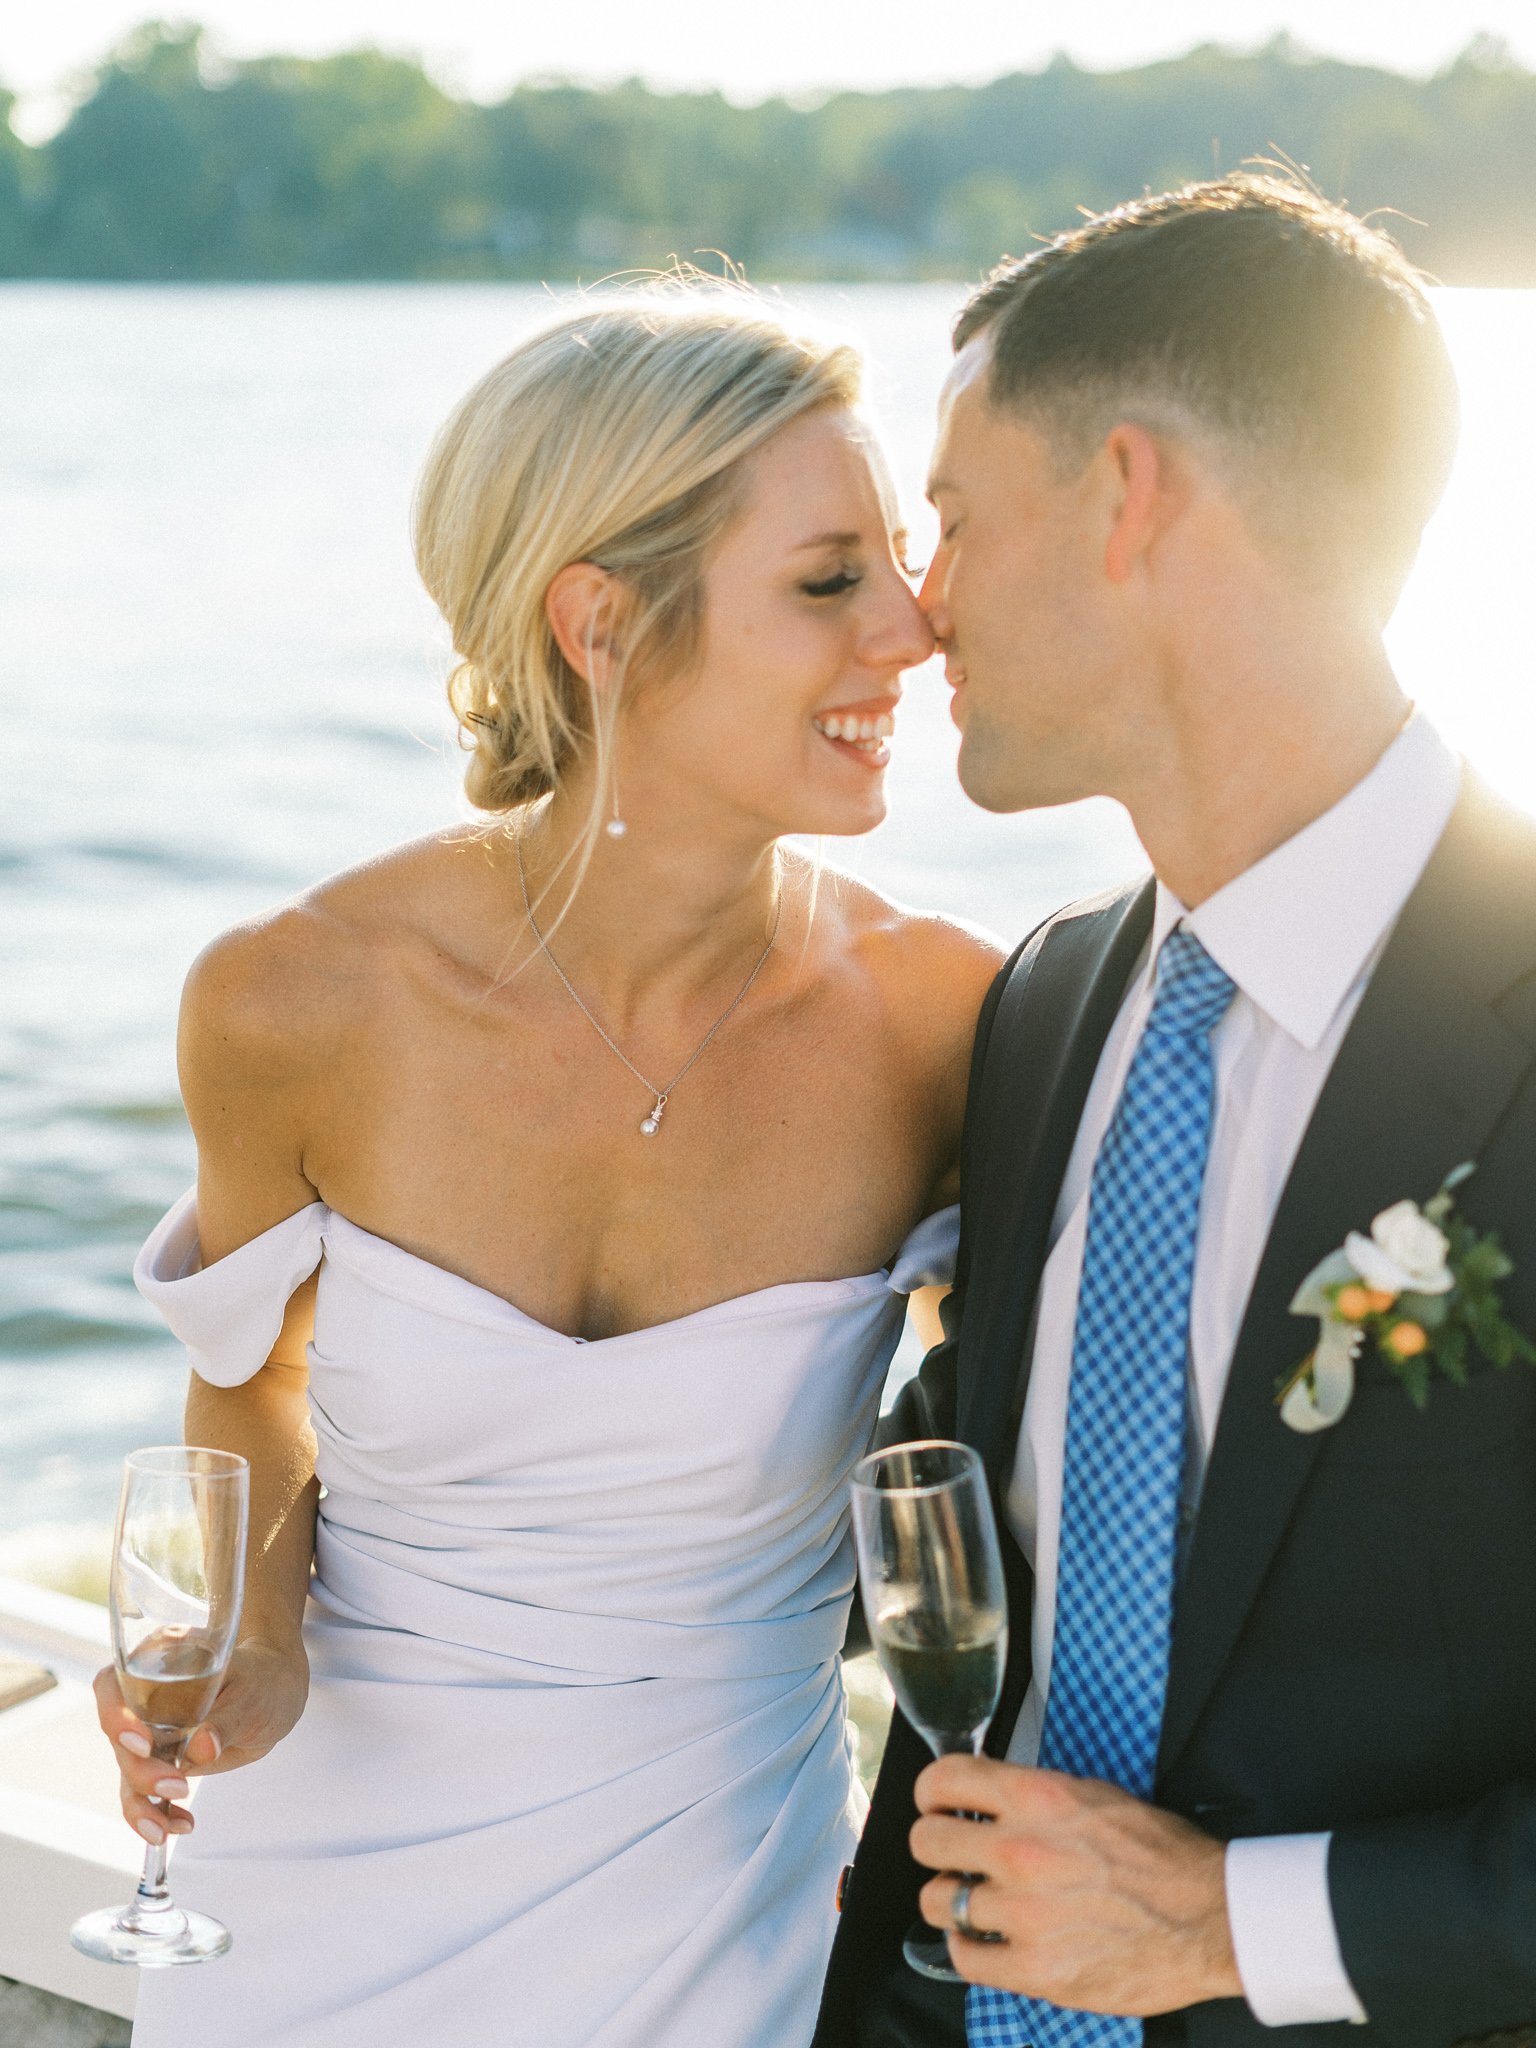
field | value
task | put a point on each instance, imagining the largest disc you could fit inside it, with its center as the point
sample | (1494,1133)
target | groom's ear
(1139,480)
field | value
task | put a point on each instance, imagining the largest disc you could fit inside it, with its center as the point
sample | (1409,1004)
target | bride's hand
(261,1697)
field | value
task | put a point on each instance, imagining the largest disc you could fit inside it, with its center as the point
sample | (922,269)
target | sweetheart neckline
(504,1307)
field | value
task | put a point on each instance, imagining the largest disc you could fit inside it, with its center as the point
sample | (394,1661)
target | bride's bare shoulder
(279,992)
(935,965)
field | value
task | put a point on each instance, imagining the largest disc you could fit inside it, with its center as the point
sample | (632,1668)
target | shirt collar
(1298,929)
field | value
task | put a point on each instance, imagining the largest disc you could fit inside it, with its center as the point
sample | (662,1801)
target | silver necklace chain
(650,1124)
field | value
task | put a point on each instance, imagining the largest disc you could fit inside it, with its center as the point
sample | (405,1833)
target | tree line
(177,165)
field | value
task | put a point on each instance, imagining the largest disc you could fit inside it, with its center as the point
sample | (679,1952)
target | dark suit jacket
(1354,1641)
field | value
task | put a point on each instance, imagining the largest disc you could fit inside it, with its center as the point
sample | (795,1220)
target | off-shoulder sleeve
(927,1259)
(227,1314)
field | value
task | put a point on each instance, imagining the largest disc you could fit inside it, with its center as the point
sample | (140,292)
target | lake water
(219,681)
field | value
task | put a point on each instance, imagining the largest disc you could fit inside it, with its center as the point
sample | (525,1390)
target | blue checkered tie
(1125,1440)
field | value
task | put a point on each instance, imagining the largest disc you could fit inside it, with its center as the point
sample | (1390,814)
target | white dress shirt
(1299,933)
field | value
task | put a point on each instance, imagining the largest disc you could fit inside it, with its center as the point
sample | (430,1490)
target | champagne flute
(931,1577)
(178,1576)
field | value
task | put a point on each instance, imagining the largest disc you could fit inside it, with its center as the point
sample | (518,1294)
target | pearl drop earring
(616,827)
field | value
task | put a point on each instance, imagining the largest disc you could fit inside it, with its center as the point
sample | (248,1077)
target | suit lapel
(1420,1081)
(1050,1029)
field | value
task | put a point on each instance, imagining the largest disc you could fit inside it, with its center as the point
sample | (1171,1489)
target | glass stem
(959,1745)
(153,1894)
(151,1909)
(152,1903)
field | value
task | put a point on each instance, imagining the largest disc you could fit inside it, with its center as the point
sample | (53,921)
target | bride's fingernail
(171,1788)
(151,1831)
(135,1744)
(212,1735)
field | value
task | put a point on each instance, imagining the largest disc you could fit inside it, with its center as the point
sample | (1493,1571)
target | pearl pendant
(649,1127)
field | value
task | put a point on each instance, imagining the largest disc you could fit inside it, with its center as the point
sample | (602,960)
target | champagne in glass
(948,1687)
(171,1679)
(178,1576)
(931,1577)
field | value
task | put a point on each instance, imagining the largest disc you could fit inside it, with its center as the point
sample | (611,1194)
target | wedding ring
(960,1910)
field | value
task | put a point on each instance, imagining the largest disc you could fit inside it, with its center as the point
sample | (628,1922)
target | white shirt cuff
(1283,1935)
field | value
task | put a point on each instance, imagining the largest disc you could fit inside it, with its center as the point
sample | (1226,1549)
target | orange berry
(1353,1303)
(1378,1300)
(1407,1339)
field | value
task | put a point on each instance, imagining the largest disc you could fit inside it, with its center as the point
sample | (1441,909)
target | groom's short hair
(1249,309)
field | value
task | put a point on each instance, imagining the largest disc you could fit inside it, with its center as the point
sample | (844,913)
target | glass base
(927,1952)
(119,1934)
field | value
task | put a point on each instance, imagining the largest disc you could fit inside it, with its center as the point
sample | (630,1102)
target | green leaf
(1428,1310)
(1461,1238)
(1490,1332)
(1414,1374)
(1484,1264)
(1451,1353)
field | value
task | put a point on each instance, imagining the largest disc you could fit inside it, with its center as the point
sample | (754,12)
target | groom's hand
(1105,1903)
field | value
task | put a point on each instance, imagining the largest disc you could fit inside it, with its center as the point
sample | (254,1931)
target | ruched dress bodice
(574,1767)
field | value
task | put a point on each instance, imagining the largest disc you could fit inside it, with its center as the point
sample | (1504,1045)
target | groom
(1266,1755)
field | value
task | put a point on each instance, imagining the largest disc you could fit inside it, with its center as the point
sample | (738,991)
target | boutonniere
(1423,1289)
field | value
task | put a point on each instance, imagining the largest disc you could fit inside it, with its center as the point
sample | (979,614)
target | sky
(749,50)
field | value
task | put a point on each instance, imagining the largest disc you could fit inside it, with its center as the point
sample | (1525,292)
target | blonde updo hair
(615,436)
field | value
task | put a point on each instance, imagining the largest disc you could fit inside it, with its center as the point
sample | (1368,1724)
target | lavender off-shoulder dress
(574,1771)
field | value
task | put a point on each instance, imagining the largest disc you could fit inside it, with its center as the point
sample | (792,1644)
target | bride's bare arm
(242,1080)
(267,1422)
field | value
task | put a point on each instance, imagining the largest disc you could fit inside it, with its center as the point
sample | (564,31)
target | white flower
(1404,1254)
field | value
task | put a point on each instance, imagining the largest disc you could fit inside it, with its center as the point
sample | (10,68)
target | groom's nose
(931,598)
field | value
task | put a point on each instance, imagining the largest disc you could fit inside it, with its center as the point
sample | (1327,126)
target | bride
(558,1181)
